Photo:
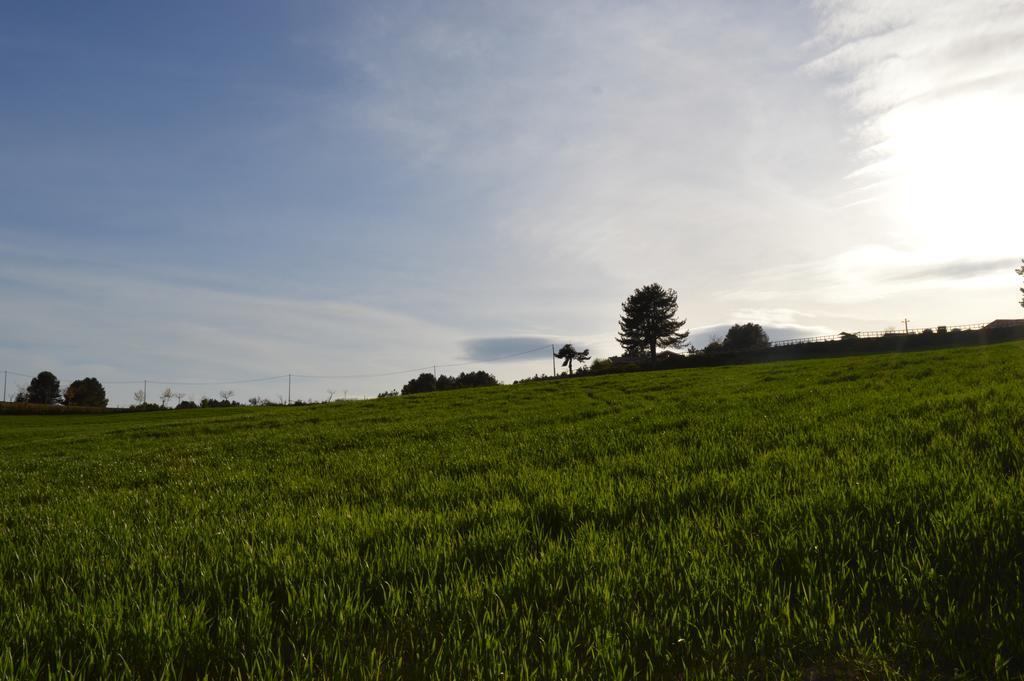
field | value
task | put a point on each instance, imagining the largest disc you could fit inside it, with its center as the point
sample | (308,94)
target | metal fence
(879,334)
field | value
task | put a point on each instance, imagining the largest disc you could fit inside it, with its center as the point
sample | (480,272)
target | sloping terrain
(844,518)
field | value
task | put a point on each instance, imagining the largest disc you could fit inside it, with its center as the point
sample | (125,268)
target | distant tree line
(648,323)
(428,383)
(45,389)
(845,345)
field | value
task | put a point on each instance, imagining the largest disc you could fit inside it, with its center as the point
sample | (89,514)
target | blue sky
(203,191)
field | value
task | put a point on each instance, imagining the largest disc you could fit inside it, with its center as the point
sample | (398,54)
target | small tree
(166,396)
(85,392)
(748,336)
(226,395)
(568,354)
(44,389)
(139,396)
(648,322)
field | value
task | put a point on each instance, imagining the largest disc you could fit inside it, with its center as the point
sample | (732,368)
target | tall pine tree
(648,322)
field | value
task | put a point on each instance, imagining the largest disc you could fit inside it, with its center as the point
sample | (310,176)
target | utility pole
(289,388)
(906,326)
(145,386)
(435,373)
(554,371)
(5,385)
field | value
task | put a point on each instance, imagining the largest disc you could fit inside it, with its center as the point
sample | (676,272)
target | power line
(265,379)
(340,376)
(318,377)
(281,377)
(424,368)
(494,359)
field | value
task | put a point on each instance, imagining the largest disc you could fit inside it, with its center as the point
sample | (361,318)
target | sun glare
(954,167)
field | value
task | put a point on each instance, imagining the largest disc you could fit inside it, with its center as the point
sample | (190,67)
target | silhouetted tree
(424,383)
(748,336)
(714,346)
(208,402)
(139,396)
(474,379)
(85,392)
(568,354)
(166,396)
(44,389)
(648,322)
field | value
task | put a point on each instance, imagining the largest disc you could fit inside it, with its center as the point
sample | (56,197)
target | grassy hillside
(821,519)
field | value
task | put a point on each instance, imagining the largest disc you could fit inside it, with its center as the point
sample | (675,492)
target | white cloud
(941,90)
(530,163)
(172,332)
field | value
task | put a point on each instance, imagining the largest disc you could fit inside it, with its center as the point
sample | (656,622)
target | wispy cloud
(940,87)
(403,180)
(623,138)
(956,269)
(159,330)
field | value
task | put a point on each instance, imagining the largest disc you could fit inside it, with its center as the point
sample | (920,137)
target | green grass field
(851,518)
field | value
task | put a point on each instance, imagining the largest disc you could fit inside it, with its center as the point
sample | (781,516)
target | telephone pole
(5,385)
(289,388)
(906,326)
(554,371)
(145,386)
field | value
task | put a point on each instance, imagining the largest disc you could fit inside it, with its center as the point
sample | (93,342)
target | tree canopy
(648,322)
(426,383)
(85,392)
(568,354)
(44,389)
(748,336)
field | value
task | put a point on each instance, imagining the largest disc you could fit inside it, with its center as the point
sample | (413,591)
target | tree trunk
(654,350)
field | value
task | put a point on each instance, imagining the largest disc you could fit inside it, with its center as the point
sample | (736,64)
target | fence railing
(879,334)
